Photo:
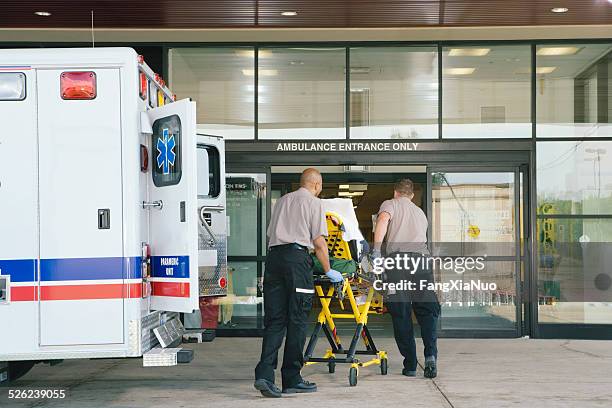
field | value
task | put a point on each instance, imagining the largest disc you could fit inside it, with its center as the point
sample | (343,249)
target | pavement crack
(565,345)
(437,387)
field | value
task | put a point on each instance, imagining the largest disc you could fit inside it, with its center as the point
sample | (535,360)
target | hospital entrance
(474,211)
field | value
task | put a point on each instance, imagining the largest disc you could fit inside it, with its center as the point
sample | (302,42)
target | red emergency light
(144,86)
(222,283)
(78,85)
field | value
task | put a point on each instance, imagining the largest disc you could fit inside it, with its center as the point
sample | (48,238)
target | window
(209,171)
(215,78)
(394,92)
(574,231)
(12,86)
(486,91)
(301,93)
(166,143)
(573,90)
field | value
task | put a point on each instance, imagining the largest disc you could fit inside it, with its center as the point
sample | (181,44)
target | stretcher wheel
(331,366)
(383,366)
(353,377)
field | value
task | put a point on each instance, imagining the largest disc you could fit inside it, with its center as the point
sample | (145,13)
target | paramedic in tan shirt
(297,225)
(402,225)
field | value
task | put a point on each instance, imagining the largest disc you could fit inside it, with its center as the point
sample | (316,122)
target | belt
(289,246)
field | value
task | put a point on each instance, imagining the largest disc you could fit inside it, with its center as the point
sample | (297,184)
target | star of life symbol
(165,152)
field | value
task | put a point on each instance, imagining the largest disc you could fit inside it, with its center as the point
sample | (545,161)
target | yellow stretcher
(352,288)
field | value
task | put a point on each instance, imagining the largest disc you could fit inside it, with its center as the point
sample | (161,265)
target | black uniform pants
(424,303)
(288,291)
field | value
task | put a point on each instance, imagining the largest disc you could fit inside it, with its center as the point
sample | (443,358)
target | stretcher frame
(326,292)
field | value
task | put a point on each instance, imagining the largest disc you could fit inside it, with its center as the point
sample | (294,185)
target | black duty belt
(289,246)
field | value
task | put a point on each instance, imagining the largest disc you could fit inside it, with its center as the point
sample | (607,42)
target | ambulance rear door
(173,218)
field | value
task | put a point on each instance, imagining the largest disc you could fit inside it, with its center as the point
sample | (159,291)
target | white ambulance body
(112,209)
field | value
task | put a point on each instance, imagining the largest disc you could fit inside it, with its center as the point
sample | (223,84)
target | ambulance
(112,208)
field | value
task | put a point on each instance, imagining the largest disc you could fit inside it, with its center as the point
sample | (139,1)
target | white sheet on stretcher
(344,208)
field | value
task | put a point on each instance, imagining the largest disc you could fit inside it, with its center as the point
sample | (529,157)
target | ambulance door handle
(103,218)
(159,204)
(213,239)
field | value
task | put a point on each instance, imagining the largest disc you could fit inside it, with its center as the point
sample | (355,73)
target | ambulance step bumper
(159,357)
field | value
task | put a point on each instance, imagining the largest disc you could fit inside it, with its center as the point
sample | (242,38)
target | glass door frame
(260,257)
(522,247)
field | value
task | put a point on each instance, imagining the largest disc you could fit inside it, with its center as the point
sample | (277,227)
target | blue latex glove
(334,276)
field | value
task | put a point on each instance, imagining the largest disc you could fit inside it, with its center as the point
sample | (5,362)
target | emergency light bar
(12,86)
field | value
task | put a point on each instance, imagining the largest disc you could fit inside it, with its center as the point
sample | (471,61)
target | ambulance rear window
(12,86)
(209,171)
(166,142)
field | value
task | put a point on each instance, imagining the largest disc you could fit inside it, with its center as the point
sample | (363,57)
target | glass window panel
(574,177)
(301,93)
(238,310)
(573,90)
(473,213)
(245,192)
(479,309)
(486,92)
(574,276)
(214,78)
(394,93)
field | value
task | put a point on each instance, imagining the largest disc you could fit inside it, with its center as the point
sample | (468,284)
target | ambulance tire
(17,369)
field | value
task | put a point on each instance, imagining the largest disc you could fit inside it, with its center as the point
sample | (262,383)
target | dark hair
(404,186)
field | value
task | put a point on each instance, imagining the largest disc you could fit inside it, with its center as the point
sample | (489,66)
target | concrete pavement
(472,373)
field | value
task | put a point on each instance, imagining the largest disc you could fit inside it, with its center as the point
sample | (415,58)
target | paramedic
(297,225)
(405,227)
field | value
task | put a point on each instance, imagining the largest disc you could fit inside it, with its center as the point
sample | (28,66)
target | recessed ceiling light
(289,13)
(262,72)
(360,70)
(539,70)
(559,9)
(459,71)
(545,70)
(42,13)
(251,53)
(558,50)
(468,52)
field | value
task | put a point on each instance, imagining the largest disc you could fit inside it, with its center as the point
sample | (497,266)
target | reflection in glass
(475,209)
(476,309)
(214,78)
(574,177)
(573,90)
(486,92)
(574,275)
(238,310)
(244,195)
(301,93)
(394,93)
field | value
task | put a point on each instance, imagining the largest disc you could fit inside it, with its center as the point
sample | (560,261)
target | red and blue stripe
(93,278)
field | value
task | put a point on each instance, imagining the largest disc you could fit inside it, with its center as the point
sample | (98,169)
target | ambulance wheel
(17,369)
(331,366)
(383,366)
(353,377)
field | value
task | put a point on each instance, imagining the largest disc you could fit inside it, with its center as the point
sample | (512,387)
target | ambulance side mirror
(145,124)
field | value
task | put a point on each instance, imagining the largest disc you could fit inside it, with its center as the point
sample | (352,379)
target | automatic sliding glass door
(475,235)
